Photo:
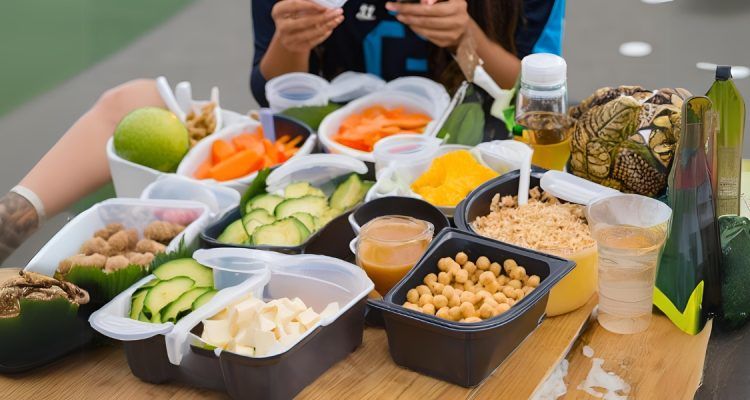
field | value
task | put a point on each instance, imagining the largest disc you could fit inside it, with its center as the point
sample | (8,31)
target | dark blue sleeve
(541,29)
(263,30)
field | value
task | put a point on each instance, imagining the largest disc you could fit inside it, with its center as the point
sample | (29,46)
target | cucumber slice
(234,233)
(143,317)
(267,202)
(313,191)
(260,215)
(297,189)
(164,293)
(202,276)
(145,287)
(203,299)
(285,232)
(136,305)
(366,186)
(312,205)
(182,306)
(307,219)
(348,194)
(327,217)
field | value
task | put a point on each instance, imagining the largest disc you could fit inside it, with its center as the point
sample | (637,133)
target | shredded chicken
(542,224)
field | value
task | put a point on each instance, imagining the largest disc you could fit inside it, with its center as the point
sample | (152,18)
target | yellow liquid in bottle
(549,135)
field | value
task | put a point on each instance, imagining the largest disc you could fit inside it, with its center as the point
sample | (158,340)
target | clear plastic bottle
(541,109)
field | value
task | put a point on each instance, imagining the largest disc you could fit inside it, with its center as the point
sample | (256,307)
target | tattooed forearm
(18,220)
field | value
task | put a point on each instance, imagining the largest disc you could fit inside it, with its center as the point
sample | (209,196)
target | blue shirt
(370,39)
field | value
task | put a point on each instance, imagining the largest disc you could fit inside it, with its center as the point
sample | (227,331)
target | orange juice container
(576,288)
(389,246)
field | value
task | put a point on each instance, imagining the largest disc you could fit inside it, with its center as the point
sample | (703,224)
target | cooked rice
(542,224)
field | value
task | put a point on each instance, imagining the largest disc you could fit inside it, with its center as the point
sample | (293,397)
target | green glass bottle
(687,282)
(730,106)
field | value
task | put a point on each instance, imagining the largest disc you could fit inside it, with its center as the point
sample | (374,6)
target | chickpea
(510,302)
(527,290)
(499,297)
(491,301)
(458,286)
(428,308)
(502,280)
(533,281)
(467,297)
(486,277)
(461,258)
(503,307)
(412,306)
(455,313)
(430,278)
(509,265)
(454,268)
(444,263)
(437,288)
(514,274)
(483,294)
(495,268)
(448,291)
(425,299)
(454,301)
(470,267)
(508,291)
(475,276)
(493,287)
(422,289)
(467,309)
(522,272)
(443,313)
(515,283)
(472,319)
(445,278)
(519,294)
(412,296)
(469,285)
(485,311)
(462,276)
(440,301)
(482,263)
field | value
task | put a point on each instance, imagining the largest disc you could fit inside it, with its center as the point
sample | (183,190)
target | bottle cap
(543,69)
(723,72)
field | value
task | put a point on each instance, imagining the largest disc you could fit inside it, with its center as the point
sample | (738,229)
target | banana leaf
(44,331)
(312,116)
(103,287)
(258,186)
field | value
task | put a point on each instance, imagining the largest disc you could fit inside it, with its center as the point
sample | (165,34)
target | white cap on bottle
(543,69)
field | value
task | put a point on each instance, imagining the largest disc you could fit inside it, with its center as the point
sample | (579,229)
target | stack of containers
(159,353)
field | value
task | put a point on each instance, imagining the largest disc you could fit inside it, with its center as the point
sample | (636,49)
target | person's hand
(442,23)
(301,25)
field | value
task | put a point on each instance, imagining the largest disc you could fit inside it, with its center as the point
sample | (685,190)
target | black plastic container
(477,203)
(466,353)
(407,206)
(279,377)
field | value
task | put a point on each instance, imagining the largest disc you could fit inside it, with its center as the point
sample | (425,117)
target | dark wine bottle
(688,282)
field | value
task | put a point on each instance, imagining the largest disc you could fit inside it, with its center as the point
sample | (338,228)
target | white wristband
(35,201)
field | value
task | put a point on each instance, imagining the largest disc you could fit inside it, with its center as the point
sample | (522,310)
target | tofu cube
(288,341)
(246,310)
(298,305)
(265,324)
(293,328)
(245,337)
(284,314)
(308,318)
(216,332)
(265,342)
(244,351)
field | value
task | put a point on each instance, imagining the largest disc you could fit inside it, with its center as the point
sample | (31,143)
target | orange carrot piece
(243,141)
(221,150)
(204,170)
(271,151)
(237,166)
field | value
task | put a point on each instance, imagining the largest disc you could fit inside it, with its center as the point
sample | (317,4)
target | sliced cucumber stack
(273,220)
(178,287)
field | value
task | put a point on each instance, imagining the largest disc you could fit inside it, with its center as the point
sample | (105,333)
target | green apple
(152,137)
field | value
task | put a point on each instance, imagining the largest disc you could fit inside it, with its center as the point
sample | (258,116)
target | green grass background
(45,42)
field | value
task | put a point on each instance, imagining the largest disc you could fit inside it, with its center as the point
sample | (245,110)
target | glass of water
(630,231)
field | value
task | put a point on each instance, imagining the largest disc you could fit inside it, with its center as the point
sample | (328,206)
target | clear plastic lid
(316,169)
(405,150)
(296,89)
(352,85)
(427,89)
(217,198)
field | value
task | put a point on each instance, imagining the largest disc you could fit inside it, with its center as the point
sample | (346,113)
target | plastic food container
(465,353)
(283,126)
(396,205)
(576,288)
(178,354)
(387,98)
(217,198)
(415,151)
(130,179)
(321,171)
(296,89)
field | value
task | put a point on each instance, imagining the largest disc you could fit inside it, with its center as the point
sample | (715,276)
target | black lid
(723,72)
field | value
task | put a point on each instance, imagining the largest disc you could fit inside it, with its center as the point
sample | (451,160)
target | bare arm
(77,164)
(502,65)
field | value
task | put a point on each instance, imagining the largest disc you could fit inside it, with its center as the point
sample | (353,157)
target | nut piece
(162,231)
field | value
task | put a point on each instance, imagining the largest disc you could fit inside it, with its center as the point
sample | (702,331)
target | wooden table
(660,363)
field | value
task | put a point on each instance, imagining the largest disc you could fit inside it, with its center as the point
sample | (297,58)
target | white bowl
(386,98)
(202,150)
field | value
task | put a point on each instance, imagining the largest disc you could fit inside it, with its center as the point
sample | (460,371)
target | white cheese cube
(245,337)
(308,318)
(246,310)
(293,328)
(244,350)
(265,324)
(216,332)
(331,310)
(264,342)
(284,314)
(288,341)
(299,305)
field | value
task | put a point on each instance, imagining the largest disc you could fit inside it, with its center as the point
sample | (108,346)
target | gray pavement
(210,43)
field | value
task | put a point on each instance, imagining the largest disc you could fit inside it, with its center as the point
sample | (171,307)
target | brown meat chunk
(162,231)
(142,259)
(132,238)
(149,246)
(95,245)
(109,230)
(115,263)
